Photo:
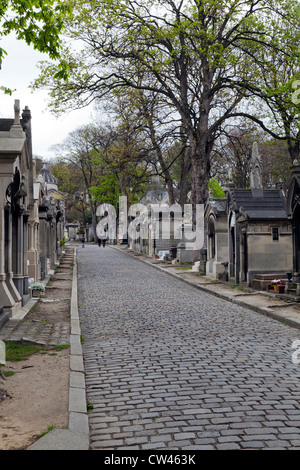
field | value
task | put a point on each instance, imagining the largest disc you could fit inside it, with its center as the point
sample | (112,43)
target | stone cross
(17,111)
(16,130)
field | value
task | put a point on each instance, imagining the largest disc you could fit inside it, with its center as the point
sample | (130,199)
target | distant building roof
(47,175)
(155,192)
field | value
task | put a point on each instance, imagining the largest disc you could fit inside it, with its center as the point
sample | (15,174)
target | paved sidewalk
(265,303)
(53,320)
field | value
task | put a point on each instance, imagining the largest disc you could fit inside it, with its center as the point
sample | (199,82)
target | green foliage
(216,188)
(69,177)
(38,286)
(207,60)
(107,190)
(38,23)
(20,352)
(62,241)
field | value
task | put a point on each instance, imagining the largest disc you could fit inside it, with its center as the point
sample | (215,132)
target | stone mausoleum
(31,216)
(259,232)
(16,208)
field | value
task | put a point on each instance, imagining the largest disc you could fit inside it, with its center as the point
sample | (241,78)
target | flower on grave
(38,286)
(275,282)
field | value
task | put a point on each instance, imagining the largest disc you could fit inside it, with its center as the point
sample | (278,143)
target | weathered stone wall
(266,255)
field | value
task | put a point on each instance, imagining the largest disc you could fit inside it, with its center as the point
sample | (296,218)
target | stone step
(266,277)
(288,297)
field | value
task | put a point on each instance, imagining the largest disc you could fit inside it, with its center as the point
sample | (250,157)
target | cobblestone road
(170,367)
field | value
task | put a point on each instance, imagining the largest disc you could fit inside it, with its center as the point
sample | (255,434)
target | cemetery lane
(170,367)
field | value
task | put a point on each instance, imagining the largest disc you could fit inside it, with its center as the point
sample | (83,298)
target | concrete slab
(62,439)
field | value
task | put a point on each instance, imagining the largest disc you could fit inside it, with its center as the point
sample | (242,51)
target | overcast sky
(19,69)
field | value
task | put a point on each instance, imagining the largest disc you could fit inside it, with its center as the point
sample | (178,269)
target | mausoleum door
(232,252)
(211,240)
(244,256)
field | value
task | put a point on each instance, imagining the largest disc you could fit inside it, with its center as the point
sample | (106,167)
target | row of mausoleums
(31,216)
(252,235)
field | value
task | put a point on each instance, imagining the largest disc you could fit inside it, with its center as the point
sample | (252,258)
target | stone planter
(35,292)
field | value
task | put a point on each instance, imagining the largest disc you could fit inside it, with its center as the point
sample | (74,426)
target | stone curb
(290,321)
(76,437)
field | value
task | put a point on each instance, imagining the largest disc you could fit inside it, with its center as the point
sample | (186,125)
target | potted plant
(37,288)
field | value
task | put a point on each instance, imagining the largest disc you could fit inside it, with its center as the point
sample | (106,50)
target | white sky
(19,69)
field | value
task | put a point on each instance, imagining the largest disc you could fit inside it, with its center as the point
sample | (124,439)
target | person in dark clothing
(101,240)
(83,240)
(102,235)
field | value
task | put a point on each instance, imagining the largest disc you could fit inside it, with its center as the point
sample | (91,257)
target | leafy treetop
(37,22)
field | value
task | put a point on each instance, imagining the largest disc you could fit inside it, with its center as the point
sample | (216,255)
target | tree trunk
(161,161)
(200,180)
(94,218)
(294,150)
(185,171)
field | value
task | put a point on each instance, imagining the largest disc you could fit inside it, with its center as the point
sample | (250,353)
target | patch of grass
(22,351)
(7,373)
(60,347)
(50,428)
(89,407)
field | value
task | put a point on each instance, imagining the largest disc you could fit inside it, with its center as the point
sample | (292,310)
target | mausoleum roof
(267,204)
(218,205)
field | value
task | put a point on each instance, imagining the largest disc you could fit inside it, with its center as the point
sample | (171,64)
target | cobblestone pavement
(170,367)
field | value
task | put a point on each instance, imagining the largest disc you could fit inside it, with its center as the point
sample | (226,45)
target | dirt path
(37,395)
(38,398)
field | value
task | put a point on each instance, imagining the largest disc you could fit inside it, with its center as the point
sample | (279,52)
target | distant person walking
(83,240)
(102,234)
